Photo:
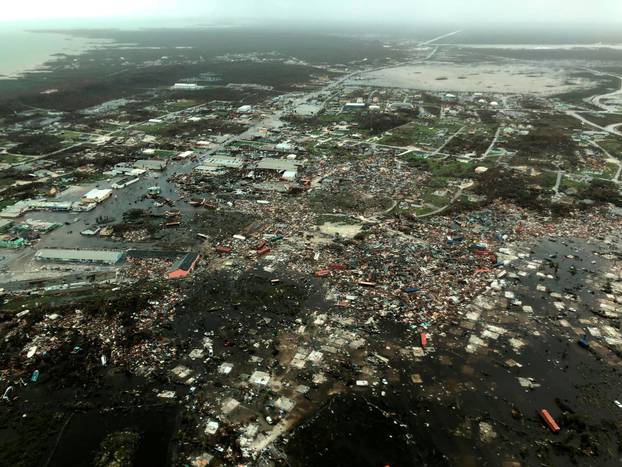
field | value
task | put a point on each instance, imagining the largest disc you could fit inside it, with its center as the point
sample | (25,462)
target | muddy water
(474,78)
(155,426)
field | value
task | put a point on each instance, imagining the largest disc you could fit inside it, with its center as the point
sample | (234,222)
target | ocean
(23,50)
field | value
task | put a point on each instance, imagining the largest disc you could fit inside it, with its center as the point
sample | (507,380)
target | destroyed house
(184,266)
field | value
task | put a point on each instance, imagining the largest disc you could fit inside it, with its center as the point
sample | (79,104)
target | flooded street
(472,398)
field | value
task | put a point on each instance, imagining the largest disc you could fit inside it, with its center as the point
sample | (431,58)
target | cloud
(414,11)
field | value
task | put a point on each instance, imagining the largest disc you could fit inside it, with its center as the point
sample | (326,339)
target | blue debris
(583,342)
(35,376)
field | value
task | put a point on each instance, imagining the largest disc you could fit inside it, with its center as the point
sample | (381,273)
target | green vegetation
(568,183)
(436,200)
(444,168)
(613,146)
(180,104)
(515,187)
(11,158)
(328,118)
(602,191)
(36,144)
(412,134)
(604,119)
(7,201)
(248,144)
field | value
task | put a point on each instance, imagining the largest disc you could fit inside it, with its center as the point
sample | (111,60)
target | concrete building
(401,107)
(80,256)
(186,87)
(224,161)
(280,165)
(97,196)
(245,109)
(185,154)
(150,164)
(123,182)
(355,106)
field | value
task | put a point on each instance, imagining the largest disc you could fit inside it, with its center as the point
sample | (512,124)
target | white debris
(31,352)
(284,404)
(260,378)
(229,406)
(528,383)
(196,354)
(486,432)
(212,427)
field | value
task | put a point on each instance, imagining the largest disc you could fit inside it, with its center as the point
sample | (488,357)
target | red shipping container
(549,420)
(263,251)
(424,339)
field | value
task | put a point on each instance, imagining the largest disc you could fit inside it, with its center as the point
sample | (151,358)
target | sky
(417,11)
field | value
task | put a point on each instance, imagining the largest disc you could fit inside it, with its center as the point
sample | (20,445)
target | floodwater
(470,409)
(502,78)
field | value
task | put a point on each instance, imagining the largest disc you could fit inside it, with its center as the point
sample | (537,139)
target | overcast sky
(460,11)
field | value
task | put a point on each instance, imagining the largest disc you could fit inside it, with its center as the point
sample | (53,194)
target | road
(494,142)
(558,182)
(457,195)
(611,160)
(438,150)
(104,135)
(611,129)
(597,100)
(133,196)
(606,109)
(444,36)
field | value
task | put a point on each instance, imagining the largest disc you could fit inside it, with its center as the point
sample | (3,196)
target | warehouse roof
(224,161)
(186,263)
(95,256)
(269,163)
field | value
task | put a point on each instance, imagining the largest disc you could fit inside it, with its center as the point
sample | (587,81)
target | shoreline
(43,49)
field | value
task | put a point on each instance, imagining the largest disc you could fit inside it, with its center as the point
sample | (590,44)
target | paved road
(494,142)
(444,36)
(451,201)
(438,150)
(109,134)
(558,182)
(609,129)
(132,197)
(610,159)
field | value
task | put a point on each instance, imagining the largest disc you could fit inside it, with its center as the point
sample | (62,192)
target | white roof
(278,164)
(224,161)
(50,254)
(98,194)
